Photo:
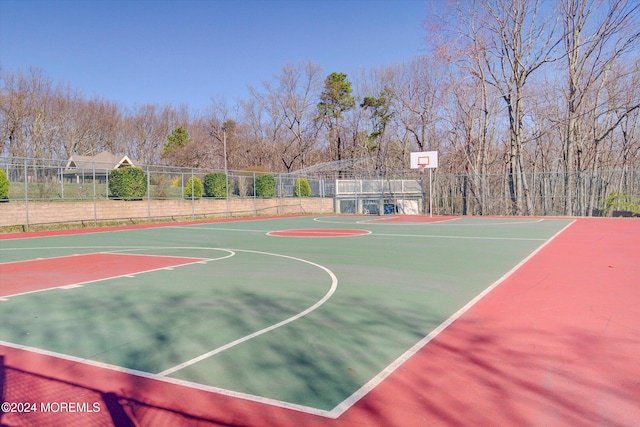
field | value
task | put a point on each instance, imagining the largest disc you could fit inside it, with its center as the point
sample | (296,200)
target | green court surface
(300,321)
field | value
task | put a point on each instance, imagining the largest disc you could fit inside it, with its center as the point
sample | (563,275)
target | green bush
(265,186)
(215,184)
(623,202)
(128,183)
(302,188)
(4,185)
(193,188)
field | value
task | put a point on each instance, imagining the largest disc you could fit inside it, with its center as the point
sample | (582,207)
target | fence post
(226,191)
(193,200)
(106,188)
(26,196)
(280,211)
(355,191)
(321,192)
(95,207)
(61,174)
(299,179)
(148,195)
(182,184)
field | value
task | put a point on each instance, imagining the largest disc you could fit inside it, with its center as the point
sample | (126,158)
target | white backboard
(424,159)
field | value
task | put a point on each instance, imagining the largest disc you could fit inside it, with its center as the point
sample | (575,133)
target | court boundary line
(343,406)
(86,282)
(136,227)
(80,254)
(198,227)
(383,220)
(444,236)
(445,222)
(162,376)
(391,368)
(175,381)
(373,233)
(318,232)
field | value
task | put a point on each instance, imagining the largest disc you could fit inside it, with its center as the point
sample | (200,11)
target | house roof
(102,161)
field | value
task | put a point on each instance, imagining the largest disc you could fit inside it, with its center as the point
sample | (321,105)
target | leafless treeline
(507,87)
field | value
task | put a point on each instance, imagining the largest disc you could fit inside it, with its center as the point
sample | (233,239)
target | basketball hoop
(423,162)
(426,160)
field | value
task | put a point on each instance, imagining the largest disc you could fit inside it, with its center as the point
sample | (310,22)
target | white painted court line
(145,227)
(69,286)
(79,284)
(439,236)
(162,375)
(344,405)
(175,381)
(484,223)
(246,230)
(328,220)
(96,249)
(453,222)
(152,255)
(385,221)
(311,233)
(332,290)
(375,381)
(43,258)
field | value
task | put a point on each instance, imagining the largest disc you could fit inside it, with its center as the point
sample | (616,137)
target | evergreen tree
(335,99)
(176,140)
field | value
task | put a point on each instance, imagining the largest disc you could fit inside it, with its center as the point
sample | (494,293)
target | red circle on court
(319,232)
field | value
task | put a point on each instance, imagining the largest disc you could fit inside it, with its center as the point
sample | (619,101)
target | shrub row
(4,185)
(130,183)
(215,185)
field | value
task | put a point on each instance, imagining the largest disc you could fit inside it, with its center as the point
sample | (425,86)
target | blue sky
(186,52)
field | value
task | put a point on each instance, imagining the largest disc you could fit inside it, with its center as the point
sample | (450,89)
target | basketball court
(330,320)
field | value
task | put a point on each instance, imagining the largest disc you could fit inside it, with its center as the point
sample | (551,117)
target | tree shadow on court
(91,405)
(478,371)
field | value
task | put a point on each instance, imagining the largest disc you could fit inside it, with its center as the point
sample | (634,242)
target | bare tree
(417,99)
(27,114)
(294,100)
(597,34)
(522,40)
(471,106)
(261,131)
(147,127)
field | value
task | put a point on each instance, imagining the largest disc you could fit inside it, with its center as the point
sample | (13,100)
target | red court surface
(90,230)
(555,344)
(47,273)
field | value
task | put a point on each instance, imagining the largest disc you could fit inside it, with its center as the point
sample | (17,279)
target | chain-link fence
(169,193)
(51,180)
(587,193)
